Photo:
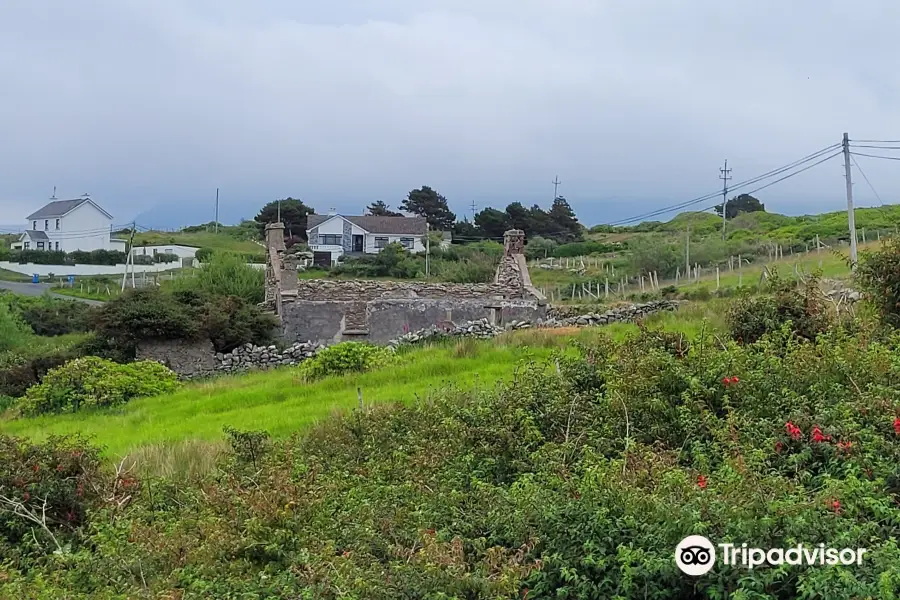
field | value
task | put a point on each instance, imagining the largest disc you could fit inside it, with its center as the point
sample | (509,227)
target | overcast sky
(149,105)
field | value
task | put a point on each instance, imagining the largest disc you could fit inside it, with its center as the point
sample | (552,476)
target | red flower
(726,381)
(70,516)
(35,468)
(793,430)
(735,380)
(844,446)
(701,482)
(836,505)
(59,468)
(779,447)
(27,496)
(818,436)
(897,425)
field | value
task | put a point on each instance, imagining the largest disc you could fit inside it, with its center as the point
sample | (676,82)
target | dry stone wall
(318,290)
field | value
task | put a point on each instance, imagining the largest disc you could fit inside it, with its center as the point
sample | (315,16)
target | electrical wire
(877,141)
(872,187)
(795,173)
(875,146)
(738,186)
(875,156)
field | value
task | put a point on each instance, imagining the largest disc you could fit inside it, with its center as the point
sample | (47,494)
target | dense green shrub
(752,316)
(574,478)
(230,322)
(878,274)
(96,382)
(204,254)
(346,357)
(147,314)
(49,316)
(57,482)
(26,365)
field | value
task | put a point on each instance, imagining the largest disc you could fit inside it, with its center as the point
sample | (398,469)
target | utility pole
(724,176)
(473,211)
(556,183)
(217,210)
(427,250)
(129,257)
(851,218)
(687,251)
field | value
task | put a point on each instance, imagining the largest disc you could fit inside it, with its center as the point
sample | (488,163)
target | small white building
(332,236)
(69,225)
(178,250)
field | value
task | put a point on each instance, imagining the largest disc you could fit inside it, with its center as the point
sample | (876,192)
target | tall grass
(14,333)
(281,403)
(224,275)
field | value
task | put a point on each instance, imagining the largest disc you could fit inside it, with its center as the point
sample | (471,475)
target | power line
(880,147)
(877,141)
(772,173)
(795,173)
(872,187)
(874,156)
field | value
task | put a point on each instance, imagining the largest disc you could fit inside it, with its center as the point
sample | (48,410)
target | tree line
(559,223)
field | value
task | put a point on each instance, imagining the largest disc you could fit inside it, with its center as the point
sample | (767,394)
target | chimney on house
(332,212)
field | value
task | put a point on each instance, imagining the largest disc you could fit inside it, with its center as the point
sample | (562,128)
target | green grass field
(201,239)
(280,403)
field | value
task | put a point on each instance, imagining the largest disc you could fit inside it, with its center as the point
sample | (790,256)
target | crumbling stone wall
(189,358)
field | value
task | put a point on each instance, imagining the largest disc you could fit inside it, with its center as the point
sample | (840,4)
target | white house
(332,236)
(69,225)
(178,250)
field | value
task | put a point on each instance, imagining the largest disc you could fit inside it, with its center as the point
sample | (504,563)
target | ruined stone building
(328,311)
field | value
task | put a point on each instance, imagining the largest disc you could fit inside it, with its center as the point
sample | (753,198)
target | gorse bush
(879,274)
(95,382)
(56,482)
(752,316)
(346,357)
(575,478)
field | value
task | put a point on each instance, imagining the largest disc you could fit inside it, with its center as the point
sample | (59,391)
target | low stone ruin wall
(197,359)
(379,321)
(483,328)
(365,290)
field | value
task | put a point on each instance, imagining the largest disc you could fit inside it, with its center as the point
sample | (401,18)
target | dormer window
(34,225)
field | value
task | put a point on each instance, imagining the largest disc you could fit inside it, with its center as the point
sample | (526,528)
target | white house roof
(59,208)
(388,225)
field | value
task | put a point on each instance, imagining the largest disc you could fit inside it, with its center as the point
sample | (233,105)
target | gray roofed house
(333,236)
(60,208)
(389,225)
(68,226)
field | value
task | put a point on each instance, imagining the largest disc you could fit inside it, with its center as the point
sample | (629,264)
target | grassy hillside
(240,239)
(281,404)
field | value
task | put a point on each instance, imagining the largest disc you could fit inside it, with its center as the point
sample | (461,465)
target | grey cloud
(341,103)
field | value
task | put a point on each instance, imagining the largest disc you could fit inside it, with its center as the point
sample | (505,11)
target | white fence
(63,270)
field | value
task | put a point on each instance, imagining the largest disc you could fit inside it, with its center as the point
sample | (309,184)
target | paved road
(38,289)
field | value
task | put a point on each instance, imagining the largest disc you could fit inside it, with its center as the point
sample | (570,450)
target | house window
(40,245)
(380,242)
(46,224)
(34,225)
(330,240)
(57,224)
(57,245)
(407,243)
(27,245)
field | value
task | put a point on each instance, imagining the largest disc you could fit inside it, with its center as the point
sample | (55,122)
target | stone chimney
(513,242)
(275,236)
